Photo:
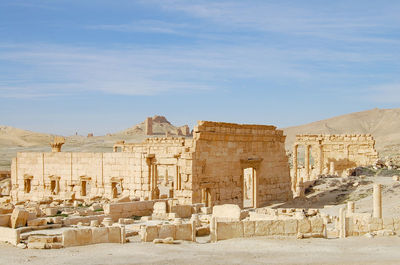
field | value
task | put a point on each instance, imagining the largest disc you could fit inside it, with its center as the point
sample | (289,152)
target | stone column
(307,162)
(342,223)
(57,189)
(294,155)
(377,201)
(350,208)
(332,168)
(320,159)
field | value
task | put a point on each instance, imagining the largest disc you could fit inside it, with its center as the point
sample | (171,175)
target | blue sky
(102,66)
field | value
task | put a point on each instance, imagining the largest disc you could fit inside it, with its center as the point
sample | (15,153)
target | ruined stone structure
(149,126)
(184,130)
(332,154)
(209,168)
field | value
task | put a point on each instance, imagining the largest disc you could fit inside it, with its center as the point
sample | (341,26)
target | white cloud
(145,26)
(49,70)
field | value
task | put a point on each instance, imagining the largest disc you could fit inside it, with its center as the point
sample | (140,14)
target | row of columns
(319,162)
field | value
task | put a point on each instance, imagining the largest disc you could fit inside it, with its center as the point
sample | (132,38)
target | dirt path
(238,251)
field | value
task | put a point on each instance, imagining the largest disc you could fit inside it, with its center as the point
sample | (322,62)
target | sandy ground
(238,251)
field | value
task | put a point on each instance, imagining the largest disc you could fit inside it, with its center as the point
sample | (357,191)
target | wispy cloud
(357,23)
(147,26)
(48,70)
(385,93)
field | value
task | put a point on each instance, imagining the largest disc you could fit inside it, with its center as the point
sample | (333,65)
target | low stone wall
(10,235)
(287,227)
(128,209)
(358,225)
(92,235)
(176,231)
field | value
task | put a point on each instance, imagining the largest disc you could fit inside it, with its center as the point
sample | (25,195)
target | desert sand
(354,250)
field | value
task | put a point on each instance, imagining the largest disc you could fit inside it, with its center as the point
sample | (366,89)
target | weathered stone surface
(227,212)
(183,232)
(19,218)
(99,235)
(166,231)
(227,230)
(5,219)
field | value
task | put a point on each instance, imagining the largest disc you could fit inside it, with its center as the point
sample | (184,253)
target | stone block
(114,234)
(166,231)
(317,224)
(69,238)
(50,211)
(304,226)
(183,211)
(37,222)
(183,232)
(262,227)
(19,217)
(160,207)
(228,230)
(38,245)
(227,212)
(277,227)
(99,235)
(249,228)
(290,227)
(84,236)
(149,233)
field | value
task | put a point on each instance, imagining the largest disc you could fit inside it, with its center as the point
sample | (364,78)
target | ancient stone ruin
(206,169)
(332,154)
(227,181)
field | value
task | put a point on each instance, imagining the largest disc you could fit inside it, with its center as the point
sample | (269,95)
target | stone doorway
(249,187)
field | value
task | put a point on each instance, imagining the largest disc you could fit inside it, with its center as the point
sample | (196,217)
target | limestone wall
(224,150)
(286,227)
(128,209)
(167,154)
(176,231)
(360,224)
(69,170)
(92,235)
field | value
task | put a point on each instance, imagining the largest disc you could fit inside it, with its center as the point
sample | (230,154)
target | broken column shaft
(377,201)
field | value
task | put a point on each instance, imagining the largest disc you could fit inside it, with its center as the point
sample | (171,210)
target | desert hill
(383,124)
(13,140)
(160,126)
(10,136)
